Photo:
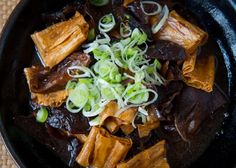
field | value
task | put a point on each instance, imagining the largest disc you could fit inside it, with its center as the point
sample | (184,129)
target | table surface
(6,7)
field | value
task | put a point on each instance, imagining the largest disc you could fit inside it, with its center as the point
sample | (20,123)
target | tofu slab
(58,41)
(182,32)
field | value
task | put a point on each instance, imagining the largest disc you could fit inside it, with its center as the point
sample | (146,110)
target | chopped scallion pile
(92,90)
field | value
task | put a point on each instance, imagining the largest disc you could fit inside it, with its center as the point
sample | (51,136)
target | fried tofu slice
(52,99)
(102,150)
(127,2)
(59,40)
(154,157)
(151,124)
(112,122)
(198,73)
(182,32)
(124,120)
(203,75)
(189,63)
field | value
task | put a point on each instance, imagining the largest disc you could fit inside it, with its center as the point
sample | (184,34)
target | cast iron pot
(17,52)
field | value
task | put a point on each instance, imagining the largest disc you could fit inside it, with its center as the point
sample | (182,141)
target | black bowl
(17,52)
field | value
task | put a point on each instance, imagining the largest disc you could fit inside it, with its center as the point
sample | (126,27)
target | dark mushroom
(66,148)
(167,94)
(64,14)
(137,12)
(193,107)
(45,80)
(61,118)
(166,50)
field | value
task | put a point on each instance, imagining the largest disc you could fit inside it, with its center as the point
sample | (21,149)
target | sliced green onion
(125,42)
(126,17)
(141,37)
(90,47)
(42,115)
(118,49)
(152,100)
(101,84)
(103,67)
(71,107)
(157,64)
(99,2)
(142,52)
(108,94)
(129,76)
(164,16)
(117,96)
(86,81)
(139,76)
(74,72)
(70,85)
(157,11)
(103,52)
(138,105)
(133,124)
(108,71)
(125,30)
(106,23)
(105,40)
(100,55)
(133,67)
(84,96)
(87,72)
(93,112)
(143,117)
(94,122)
(135,93)
(137,97)
(107,19)
(80,95)
(143,111)
(136,33)
(131,52)
(91,34)
(152,76)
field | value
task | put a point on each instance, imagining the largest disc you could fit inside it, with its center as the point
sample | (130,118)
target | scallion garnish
(91,35)
(99,2)
(95,121)
(106,23)
(42,115)
(164,16)
(153,3)
(102,83)
(125,30)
